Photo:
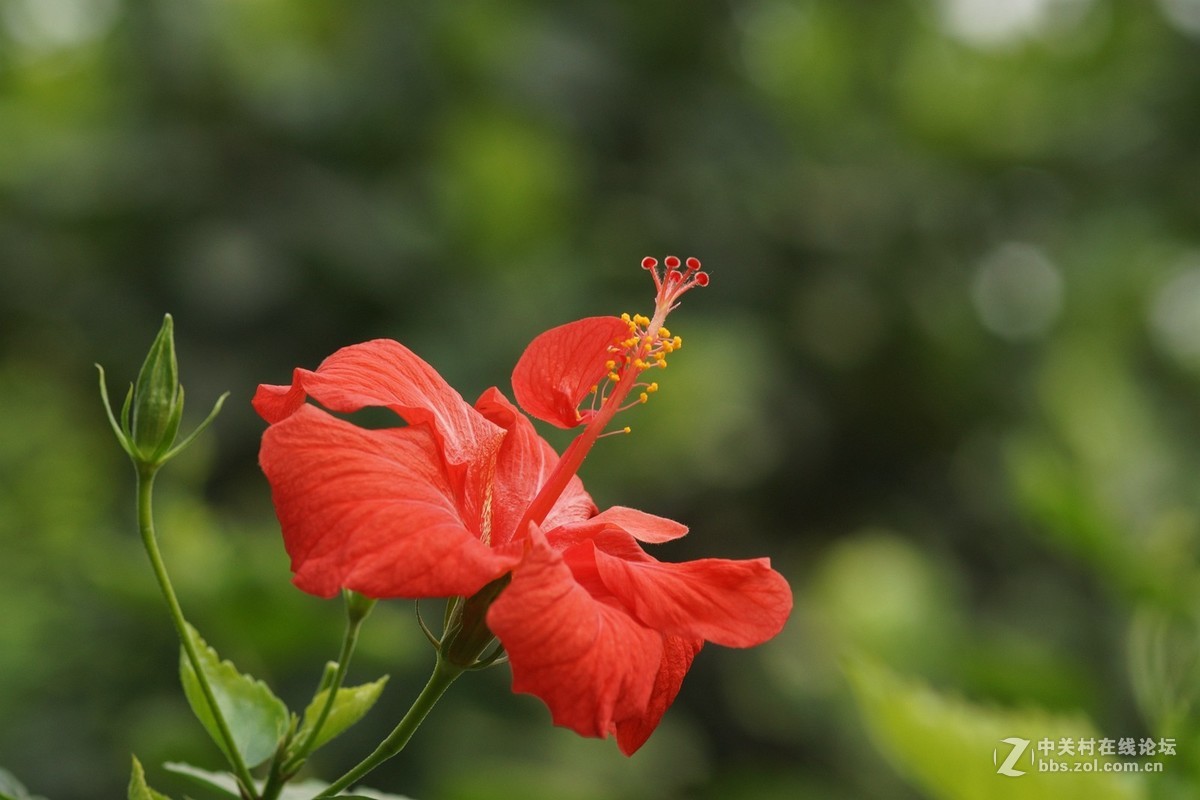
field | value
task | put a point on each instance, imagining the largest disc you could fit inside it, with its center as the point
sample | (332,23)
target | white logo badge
(1018,749)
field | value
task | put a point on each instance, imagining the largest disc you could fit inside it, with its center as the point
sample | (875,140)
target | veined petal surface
(589,662)
(560,367)
(371,511)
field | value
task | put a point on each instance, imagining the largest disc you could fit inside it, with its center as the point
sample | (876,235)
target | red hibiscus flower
(464,495)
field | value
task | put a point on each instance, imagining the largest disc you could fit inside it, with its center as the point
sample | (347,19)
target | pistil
(648,343)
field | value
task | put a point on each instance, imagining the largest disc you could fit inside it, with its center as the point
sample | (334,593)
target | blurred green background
(947,374)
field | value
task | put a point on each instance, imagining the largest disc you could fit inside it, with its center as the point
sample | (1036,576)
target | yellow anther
(678,342)
(626,318)
(652,388)
(626,429)
(664,333)
(614,377)
(595,388)
(639,364)
(643,397)
(640,320)
(610,365)
(668,347)
(630,342)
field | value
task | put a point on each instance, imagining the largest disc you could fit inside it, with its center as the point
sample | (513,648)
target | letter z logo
(1018,749)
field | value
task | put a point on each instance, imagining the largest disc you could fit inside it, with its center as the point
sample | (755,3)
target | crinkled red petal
(589,662)
(559,368)
(678,654)
(731,603)
(640,525)
(371,511)
(385,373)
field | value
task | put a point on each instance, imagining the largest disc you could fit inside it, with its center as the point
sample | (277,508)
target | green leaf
(1164,666)
(225,784)
(222,783)
(138,790)
(349,706)
(955,750)
(303,790)
(257,718)
(11,788)
(307,789)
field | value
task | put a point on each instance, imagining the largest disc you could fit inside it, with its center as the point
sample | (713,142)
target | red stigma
(677,276)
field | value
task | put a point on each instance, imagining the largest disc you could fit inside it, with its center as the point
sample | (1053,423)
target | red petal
(678,653)
(589,662)
(560,367)
(274,403)
(523,464)
(608,538)
(732,603)
(638,524)
(387,374)
(644,527)
(371,511)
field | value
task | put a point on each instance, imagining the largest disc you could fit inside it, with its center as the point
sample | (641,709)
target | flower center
(646,346)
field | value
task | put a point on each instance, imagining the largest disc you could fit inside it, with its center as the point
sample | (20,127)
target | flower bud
(358,606)
(157,404)
(157,396)
(469,635)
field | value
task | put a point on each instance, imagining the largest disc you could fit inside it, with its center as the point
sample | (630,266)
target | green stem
(444,674)
(145,492)
(349,641)
(276,777)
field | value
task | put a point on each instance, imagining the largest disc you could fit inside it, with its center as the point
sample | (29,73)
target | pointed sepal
(121,429)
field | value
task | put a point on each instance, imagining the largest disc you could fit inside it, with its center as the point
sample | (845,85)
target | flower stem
(349,641)
(145,493)
(444,674)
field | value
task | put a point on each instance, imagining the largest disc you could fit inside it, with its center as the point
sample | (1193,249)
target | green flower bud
(156,402)
(469,635)
(358,606)
(157,396)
